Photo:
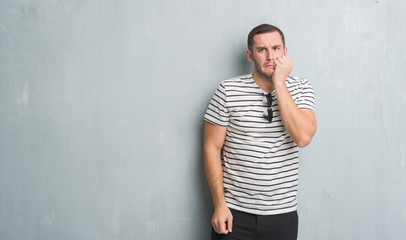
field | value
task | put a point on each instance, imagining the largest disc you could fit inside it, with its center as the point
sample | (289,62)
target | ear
(286,51)
(249,56)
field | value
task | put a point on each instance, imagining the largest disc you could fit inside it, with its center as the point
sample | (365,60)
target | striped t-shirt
(260,159)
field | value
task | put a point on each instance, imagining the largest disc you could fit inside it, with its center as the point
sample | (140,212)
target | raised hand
(283,67)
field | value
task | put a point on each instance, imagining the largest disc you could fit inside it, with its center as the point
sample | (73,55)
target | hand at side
(222,220)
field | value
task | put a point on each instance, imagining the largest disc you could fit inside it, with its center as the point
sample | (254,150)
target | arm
(299,123)
(214,137)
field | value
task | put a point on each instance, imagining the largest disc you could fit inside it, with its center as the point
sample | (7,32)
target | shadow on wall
(244,67)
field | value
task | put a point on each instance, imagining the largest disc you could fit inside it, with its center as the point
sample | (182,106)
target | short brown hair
(263,28)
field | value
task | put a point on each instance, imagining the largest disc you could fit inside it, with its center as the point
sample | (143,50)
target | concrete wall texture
(101,106)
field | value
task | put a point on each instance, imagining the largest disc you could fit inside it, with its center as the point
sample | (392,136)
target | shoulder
(296,83)
(294,80)
(238,81)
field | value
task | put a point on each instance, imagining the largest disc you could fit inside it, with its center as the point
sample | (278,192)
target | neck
(263,82)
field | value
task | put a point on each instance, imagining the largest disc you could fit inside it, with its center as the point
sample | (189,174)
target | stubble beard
(262,73)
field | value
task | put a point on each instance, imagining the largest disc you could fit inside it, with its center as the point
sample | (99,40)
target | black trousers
(261,227)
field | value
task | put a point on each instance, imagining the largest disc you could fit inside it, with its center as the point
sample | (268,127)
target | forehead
(267,39)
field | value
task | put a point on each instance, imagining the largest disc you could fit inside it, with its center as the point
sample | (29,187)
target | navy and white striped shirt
(260,159)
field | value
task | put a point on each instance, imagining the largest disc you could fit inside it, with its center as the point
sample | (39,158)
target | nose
(270,56)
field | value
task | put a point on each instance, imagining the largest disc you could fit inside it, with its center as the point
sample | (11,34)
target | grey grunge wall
(102,103)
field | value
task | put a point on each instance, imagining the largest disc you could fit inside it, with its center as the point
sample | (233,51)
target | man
(255,123)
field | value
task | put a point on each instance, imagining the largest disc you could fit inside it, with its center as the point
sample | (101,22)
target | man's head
(266,43)
(263,28)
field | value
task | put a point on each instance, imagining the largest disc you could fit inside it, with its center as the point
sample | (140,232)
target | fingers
(230,223)
(223,227)
(284,65)
(220,227)
(282,60)
(223,223)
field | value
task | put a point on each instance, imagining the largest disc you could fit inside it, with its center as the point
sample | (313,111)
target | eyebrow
(273,46)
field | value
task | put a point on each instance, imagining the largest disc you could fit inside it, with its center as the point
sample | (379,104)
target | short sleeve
(217,112)
(306,96)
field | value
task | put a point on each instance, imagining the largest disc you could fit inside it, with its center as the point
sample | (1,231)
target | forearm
(214,174)
(222,220)
(300,124)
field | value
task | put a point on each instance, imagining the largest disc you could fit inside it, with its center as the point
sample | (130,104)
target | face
(267,47)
